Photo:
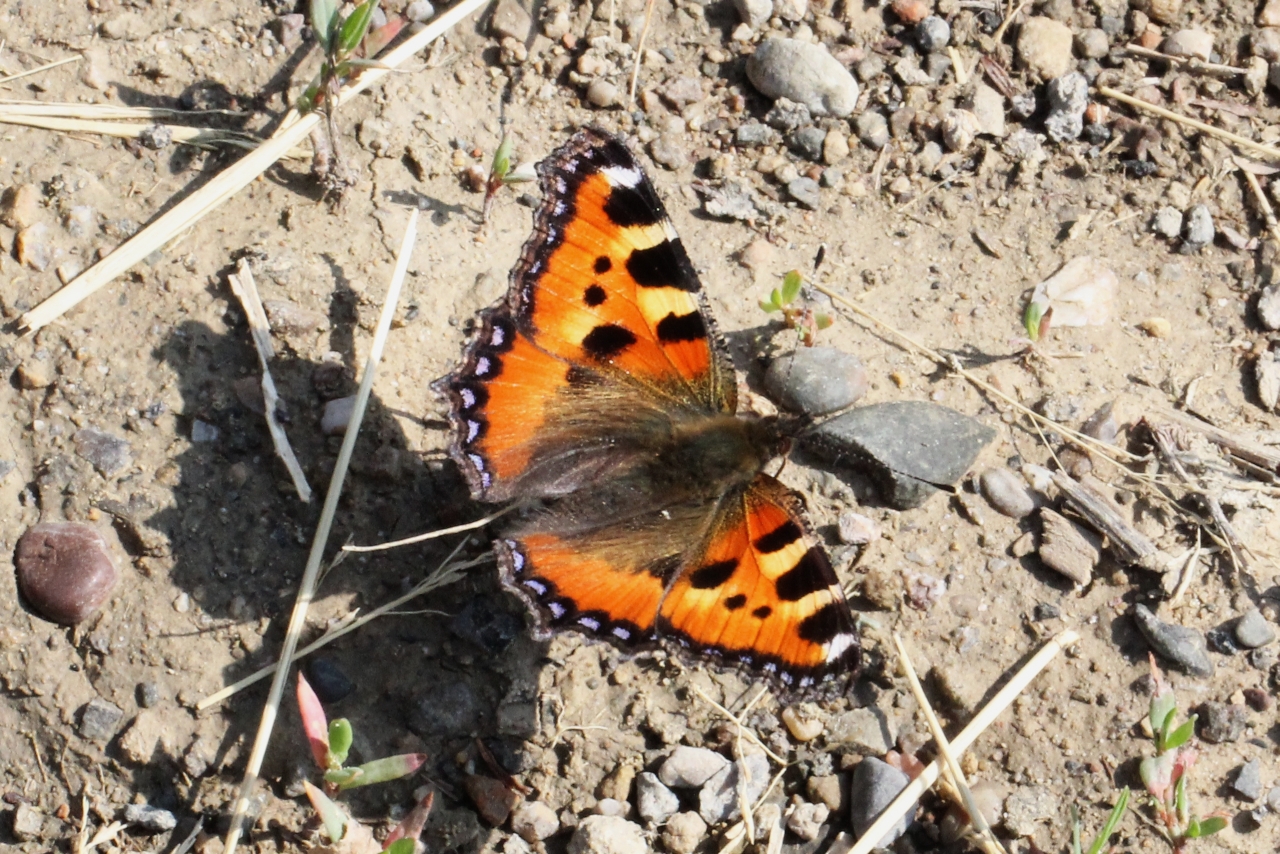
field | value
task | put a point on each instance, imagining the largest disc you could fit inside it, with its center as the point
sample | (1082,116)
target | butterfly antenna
(810,423)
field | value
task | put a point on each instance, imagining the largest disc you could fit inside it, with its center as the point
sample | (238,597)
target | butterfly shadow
(234,539)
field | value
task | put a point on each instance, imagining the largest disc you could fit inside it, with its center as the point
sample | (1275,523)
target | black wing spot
(806,577)
(607,339)
(603,264)
(822,625)
(733,603)
(594,295)
(779,538)
(627,207)
(713,574)
(762,612)
(682,327)
(663,265)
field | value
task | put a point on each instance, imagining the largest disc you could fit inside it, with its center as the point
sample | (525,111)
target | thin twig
(1267,213)
(741,727)
(230,181)
(1241,141)
(44,67)
(635,67)
(68,110)
(1190,62)
(307,586)
(206,138)
(1188,571)
(998,35)
(431,535)
(962,742)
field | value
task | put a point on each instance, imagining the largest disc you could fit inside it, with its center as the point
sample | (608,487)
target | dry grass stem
(1189,62)
(1188,572)
(986,839)
(1241,141)
(66,110)
(431,535)
(1267,213)
(181,134)
(635,66)
(246,290)
(46,67)
(962,742)
(230,181)
(998,35)
(307,586)
(742,728)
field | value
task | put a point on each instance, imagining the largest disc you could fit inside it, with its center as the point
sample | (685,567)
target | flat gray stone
(1179,645)
(816,380)
(654,801)
(690,767)
(803,72)
(99,719)
(875,785)
(910,447)
(1248,781)
(718,798)
(1252,630)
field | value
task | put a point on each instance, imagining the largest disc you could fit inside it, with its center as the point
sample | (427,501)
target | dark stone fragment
(108,454)
(1221,642)
(1221,723)
(1178,644)
(816,380)
(486,626)
(910,447)
(1045,611)
(449,830)
(875,785)
(64,570)
(99,719)
(807,142)
(1248,781)
(328,680)
(1139,168)
(149,695)
(447,709)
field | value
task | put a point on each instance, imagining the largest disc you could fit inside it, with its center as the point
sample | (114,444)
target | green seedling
(1099,845)
(1165,775)
(501,174)
(795,316)
(330,744)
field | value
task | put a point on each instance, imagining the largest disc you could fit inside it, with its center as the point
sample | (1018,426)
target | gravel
(803,72)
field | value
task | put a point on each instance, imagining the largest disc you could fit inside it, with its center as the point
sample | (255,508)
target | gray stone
(754,134)
(936,65)
(806,820)
(337,415)
(806,192)
(607,834)
(787,115)
(807,142)
(668,150)
(533,821)
(446,709)
(1221,723)
(1167,222)
(816,380)
(1252,630)
(1068,98)
(602,93)
(149,695)
(690,767)
(933,33)
(718,799)
(1269,307)
(108,454)
(987,106)
(99,719)
(654,801)
(754,13)
(872,129)
(875,785)
(64,570)
(1006,492)
(1197,229)
(803,72)
(1177,644)
(1248,781)
(910,447)
(28,823)
(203,432)
(510,19)
(150,818)
(1092,43)
(865,730)
(1273,799)
(1027,808)
(733,200)
(420,11)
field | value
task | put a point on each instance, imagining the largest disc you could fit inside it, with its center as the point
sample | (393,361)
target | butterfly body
(600,391)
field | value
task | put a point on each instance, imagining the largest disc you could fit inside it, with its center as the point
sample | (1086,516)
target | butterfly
(600,391)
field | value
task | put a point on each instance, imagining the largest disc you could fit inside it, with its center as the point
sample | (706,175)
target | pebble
(36,373)
(875,785)
(805,191)
(602,93)
(1180,645)
(1273,799)
(1068,98)
(1266,371)
(856,529)
(1093,43)
(828,789)
(863,730)
(509,18)
(28,823)
(20,205)
(1026,808)
(1157,327)
(140,742)
(1248,781)
(337,414)
(959,128)
(420,11)
(1265,43)
(108,454)
(290,318)
(806,820)
(719,798)
(754,13)
(1196,44)
(1197,230)
(654,801)
(328,680)
(150,818)
(492,798)
(1023,105)
(753,134)
(607,834)
(31,247)
(835,147)
(870,68)
(933,33)
(816,380)
(1006,492)
(99,719)
(987,106)
(805,73)
(802,722)
(1167,222)
(683,832)
(791,10)
(872,129)
(1044,46)
(204,432)
(668,150)
(1066,548)
(1269,15)
(1269,307)
(911,11)
(690,767)
(807,142)
(79,221)
(612,806)
(534,821)
(787,115)
(1222,722)
(65,570)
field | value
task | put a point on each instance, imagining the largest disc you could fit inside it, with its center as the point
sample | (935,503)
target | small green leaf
(1180,799)
(1113,821)
(307,100)
(387,768)
(776,298)
(769,306)
(355,26)
(322,14)
(343,778)
(340,736)
(1031,321)
(400,846)
(822,321)
(1163,706)
(378,39)
(1181,735)
(501,159)
(1212,825)
(1075,830)
(791,287)
(331,815)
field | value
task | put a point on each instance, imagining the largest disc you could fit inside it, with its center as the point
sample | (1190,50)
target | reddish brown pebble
(1257,699)
(493,800)
(911,11)
(65,570)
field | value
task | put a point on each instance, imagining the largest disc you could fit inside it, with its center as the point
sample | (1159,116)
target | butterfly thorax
(712,455)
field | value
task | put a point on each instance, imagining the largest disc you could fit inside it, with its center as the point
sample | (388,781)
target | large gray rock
(803,72)
(875,785)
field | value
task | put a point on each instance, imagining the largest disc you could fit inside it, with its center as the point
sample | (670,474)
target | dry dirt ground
(211,539)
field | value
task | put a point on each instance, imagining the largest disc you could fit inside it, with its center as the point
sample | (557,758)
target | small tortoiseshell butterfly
(600,389)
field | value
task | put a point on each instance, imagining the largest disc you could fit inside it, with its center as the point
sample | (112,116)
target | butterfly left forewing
(762,593)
